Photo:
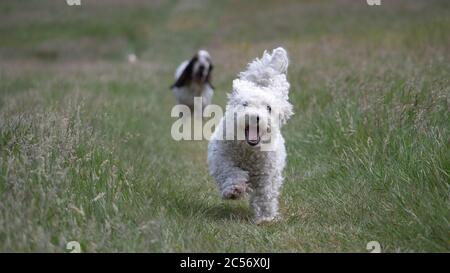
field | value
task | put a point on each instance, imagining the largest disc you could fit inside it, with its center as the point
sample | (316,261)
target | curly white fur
(241,166)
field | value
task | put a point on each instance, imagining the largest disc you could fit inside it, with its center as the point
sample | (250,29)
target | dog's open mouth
(252,135)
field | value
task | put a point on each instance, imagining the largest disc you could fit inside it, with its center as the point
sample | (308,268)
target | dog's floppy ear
(185,77)
(208,78)
(286,111)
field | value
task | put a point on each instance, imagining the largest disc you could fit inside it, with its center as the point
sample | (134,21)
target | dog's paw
(266,219)
(234,192)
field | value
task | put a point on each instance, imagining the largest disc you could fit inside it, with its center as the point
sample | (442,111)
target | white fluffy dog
(254,163)
(193,79)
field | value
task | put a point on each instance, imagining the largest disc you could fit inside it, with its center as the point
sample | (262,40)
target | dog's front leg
(232,180)
(235,186)
(264,198)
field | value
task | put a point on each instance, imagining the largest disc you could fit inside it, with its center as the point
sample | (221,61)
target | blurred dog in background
(193,79)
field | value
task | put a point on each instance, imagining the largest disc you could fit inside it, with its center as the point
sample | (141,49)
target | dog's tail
(278,60)
(263,71)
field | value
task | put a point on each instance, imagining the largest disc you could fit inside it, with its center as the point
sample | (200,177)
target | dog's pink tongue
(252,133)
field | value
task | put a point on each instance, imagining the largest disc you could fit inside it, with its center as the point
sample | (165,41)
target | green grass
(85,146)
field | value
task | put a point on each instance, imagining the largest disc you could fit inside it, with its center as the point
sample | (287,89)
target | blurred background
(86,152)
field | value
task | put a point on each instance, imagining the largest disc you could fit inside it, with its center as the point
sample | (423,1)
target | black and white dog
(193,79)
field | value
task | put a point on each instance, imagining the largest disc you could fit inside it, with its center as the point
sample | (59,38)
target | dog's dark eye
(269,108)
(245,104)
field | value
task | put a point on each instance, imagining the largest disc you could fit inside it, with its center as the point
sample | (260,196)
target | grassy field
(85,146)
